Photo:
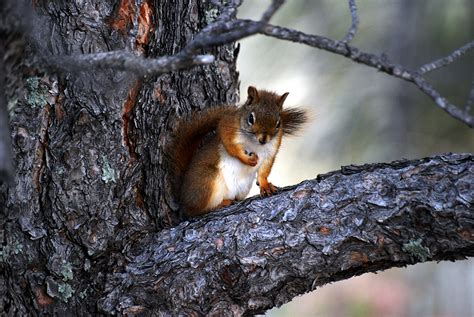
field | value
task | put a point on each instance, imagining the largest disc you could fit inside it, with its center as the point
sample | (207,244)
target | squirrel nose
(262,138)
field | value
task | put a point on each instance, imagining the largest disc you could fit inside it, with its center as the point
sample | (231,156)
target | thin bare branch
(125,61)
(446,60)
(355,22)
(443,103)
(223,32)
(272,9)
(470,100)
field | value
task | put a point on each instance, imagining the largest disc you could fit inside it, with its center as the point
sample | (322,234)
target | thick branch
(263,252)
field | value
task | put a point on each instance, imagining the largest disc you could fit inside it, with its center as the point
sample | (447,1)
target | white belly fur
(235,178)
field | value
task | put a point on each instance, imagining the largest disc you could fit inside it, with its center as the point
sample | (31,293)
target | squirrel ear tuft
(282,98)
(252,93)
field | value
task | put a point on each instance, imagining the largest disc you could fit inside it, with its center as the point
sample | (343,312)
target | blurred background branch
(381,63)
(355,22)
(470,100)
(429,67)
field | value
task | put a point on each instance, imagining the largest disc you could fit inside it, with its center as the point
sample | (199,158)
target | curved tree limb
(125,61)
(263,252)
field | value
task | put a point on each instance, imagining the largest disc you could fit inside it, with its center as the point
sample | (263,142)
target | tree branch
(355,22)
(429,67)
(263,252)
(221,32)
(125,61)
(227,30)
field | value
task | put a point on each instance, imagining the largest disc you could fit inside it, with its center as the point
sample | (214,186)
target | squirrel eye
(251,119)
(278,123)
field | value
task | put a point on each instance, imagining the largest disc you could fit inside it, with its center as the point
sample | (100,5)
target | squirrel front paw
(251,158)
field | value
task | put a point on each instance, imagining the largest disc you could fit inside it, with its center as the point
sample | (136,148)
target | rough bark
(6,164)
(261,253)
(89,145)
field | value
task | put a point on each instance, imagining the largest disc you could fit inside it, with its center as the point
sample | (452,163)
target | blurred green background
(361,116)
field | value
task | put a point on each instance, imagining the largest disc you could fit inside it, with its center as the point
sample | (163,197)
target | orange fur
(189,134)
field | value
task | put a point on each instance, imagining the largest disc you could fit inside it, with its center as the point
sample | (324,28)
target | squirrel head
(261,114)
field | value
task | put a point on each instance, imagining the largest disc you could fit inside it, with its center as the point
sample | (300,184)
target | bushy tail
(293,120)
(188,135)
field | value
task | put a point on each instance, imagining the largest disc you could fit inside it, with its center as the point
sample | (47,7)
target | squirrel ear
(252,93)
(282,98)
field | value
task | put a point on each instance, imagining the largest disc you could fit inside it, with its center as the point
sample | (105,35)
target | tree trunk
(82,227)
(89,147)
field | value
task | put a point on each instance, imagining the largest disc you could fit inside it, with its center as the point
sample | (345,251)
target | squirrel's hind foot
(268,190)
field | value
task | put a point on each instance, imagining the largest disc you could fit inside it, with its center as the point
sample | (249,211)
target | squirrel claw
(268,190)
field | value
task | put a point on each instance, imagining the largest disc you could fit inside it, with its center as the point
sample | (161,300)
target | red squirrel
(216,153)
